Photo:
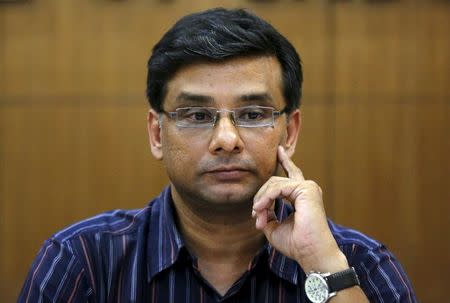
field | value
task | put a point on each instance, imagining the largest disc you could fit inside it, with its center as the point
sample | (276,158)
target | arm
(305,235)
(382,277)
(55,276)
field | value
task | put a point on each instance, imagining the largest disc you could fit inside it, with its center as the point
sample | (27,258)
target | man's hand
(304,236)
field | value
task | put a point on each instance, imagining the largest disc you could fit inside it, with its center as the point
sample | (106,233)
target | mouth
(231,173)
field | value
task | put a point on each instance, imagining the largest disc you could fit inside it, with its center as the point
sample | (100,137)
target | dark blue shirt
(139,256)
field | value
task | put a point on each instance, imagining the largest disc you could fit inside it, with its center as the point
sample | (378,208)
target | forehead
(228,83)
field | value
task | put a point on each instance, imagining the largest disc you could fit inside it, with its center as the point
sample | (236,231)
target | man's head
(218,35)
(204,75)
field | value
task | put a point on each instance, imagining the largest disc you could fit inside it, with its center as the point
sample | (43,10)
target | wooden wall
(376,119)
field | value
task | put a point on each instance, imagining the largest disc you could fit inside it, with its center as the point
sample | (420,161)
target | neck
(224,237)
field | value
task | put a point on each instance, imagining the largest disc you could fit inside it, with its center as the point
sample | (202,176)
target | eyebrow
(258,97)
(194,98)
(262,98)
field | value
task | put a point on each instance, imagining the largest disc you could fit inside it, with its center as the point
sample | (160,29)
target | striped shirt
(140,256)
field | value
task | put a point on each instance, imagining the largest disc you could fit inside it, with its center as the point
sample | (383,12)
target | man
(224,88)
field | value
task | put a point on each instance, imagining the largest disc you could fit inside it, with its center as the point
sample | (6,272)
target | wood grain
(375,112)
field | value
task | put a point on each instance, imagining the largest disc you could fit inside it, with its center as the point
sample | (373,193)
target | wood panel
(390,179)
(392,75)
(63,163)
(375,119)
(392,53)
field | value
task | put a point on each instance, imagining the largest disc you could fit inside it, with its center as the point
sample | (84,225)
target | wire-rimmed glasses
(247,116)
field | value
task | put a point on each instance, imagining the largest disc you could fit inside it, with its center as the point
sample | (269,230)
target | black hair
(217,35)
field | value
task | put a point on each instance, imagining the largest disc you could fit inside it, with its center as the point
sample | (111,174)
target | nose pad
(228,113)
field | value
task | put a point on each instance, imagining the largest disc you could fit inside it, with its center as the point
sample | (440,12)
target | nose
(225,136)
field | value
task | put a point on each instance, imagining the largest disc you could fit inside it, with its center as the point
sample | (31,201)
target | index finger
(292,171)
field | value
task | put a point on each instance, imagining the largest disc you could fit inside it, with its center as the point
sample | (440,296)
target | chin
(229,194)
(217,194)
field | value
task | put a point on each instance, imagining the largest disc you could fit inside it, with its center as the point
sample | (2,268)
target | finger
(276,231)
(265,217)
(272,180)
(289,189)
(289,167)
(269,229)
(261,219)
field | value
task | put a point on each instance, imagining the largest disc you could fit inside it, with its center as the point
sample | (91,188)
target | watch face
(316,288)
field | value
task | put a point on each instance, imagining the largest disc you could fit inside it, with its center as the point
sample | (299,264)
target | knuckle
(273,179)
(274,186)
(297,192)
(312,185)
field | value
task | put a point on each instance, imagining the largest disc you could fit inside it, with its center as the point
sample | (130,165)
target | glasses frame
(174,116)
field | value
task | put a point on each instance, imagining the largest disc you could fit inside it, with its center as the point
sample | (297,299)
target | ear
(293,128)
(154,134)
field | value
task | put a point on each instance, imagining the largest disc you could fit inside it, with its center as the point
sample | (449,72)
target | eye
(248,114)
(198,115)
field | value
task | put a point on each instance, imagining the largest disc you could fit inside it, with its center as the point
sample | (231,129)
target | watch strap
(342,280)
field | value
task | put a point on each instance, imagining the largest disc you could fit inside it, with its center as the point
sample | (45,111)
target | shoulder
(66,266)
(113,222)
(358,247)
(70,265)
(347,236)
(381,275)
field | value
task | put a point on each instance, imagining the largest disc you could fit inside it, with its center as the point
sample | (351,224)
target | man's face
(225,164)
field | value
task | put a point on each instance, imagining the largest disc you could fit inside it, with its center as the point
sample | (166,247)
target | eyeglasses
(247,116)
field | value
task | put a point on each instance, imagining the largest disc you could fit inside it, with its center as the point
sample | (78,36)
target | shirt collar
(165,241)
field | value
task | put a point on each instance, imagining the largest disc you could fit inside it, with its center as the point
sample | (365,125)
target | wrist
(331,262)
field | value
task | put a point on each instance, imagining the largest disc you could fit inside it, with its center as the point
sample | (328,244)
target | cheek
(176,161)
(265,155)
(176,154)
(180,151)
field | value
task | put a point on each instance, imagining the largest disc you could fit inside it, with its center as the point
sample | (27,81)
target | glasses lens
(196,116)
(254,116)
(249,116)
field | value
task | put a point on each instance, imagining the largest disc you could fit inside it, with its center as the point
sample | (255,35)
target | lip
(227,168)
(229,173)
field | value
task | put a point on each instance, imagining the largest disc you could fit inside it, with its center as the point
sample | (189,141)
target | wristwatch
(320,287)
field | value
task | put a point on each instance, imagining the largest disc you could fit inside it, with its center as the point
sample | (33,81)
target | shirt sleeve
(55,276)
(381,276)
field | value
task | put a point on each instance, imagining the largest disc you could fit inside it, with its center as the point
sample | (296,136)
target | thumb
(277,233)
(269,231)
(272,225)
